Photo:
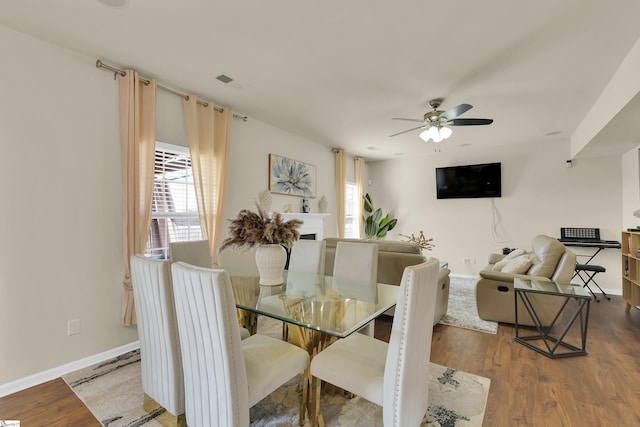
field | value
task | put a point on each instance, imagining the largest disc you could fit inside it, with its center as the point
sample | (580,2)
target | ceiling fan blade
(408,120)
(455,111)
(408,130)
(469,122)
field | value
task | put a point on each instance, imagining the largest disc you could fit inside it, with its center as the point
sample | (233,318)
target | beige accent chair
(551,261)
(394,375)
(393,257)
(225,375)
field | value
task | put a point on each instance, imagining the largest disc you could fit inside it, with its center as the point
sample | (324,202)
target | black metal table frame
(543,332)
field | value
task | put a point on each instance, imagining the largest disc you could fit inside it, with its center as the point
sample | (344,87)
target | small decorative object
(422,241)
(270,234)
(291,177)
(287,208)
(305,205)
(375,225)
(264,200)
(323,204)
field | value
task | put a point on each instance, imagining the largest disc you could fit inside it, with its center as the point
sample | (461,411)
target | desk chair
(224,375)
(586,273)
(394,375)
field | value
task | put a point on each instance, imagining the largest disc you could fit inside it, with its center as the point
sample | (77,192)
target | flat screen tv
(470,181)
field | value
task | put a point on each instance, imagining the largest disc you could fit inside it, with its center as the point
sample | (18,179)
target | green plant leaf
(377,215)
(368,205)
(392,224)
(370,227)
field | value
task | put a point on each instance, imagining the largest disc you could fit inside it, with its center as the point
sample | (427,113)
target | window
(174,210)
(351,211)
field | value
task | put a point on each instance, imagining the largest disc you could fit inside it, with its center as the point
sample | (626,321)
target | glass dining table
(316,309)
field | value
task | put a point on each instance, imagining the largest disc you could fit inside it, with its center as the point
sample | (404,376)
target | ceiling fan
(436,123)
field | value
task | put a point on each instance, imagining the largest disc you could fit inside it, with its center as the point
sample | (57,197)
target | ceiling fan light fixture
(445,132)
(437,134)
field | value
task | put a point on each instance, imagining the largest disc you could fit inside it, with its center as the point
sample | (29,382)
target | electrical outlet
(73,327)
(469,261)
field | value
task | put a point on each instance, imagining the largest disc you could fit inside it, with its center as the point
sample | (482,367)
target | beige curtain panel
(359,172)
(209,135)
(341,184)
(138,142)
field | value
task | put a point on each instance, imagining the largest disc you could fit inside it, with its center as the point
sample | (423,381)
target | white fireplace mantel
(312,223)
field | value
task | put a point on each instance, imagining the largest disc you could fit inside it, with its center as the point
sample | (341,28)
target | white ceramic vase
(270,260)
(323,204)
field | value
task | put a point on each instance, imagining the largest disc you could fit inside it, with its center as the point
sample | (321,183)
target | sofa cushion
(547,251)
(498,266)
(518,265)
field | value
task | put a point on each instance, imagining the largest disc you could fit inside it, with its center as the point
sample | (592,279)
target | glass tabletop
(334,306)
(550,288)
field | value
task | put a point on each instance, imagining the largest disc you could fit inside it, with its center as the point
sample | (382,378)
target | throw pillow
(498,266)
(519,265)
(514,254)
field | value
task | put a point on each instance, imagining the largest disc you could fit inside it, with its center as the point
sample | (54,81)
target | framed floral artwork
(291,177)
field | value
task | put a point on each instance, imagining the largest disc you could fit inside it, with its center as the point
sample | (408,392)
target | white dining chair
(225,376)
(160,358)
(358,262)
(394,375)
(194,252)
(307,256)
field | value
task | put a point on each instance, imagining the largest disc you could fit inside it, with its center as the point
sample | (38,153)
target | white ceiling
(337,71)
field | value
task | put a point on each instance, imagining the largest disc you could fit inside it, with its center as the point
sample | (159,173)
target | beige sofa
(550,261)
(393,257)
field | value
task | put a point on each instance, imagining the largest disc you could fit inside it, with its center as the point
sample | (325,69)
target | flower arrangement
(249,229)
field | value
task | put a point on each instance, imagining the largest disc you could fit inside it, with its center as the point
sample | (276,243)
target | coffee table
(552,346)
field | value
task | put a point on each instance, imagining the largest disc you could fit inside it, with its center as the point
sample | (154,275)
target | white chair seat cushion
(355,363)
(244,333)
(265,359)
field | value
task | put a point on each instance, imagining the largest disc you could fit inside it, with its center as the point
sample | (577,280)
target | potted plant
(375,225)
(270,234)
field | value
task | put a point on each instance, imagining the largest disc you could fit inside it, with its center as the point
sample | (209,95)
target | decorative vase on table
(270,259)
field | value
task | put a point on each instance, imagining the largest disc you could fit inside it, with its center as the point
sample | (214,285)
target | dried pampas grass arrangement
(249,229)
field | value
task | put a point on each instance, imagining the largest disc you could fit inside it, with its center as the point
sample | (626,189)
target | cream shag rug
(112,391)
(462,310)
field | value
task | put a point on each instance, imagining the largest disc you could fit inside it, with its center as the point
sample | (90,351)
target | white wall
(61,255)
(539,195)
(252,142)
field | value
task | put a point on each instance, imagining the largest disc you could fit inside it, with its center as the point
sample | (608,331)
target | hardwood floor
(527,389)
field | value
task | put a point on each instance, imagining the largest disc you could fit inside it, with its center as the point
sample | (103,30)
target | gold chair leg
(305,396)
(167,419)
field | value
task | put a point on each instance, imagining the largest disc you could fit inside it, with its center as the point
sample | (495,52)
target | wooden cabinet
(631,268)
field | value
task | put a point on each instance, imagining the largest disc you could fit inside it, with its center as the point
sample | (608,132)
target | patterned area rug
(112,391)
(462,310)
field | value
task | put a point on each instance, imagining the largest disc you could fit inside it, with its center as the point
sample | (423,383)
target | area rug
(462,310)
(112,392)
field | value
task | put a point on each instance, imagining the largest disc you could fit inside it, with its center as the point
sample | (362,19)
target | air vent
(224,78)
